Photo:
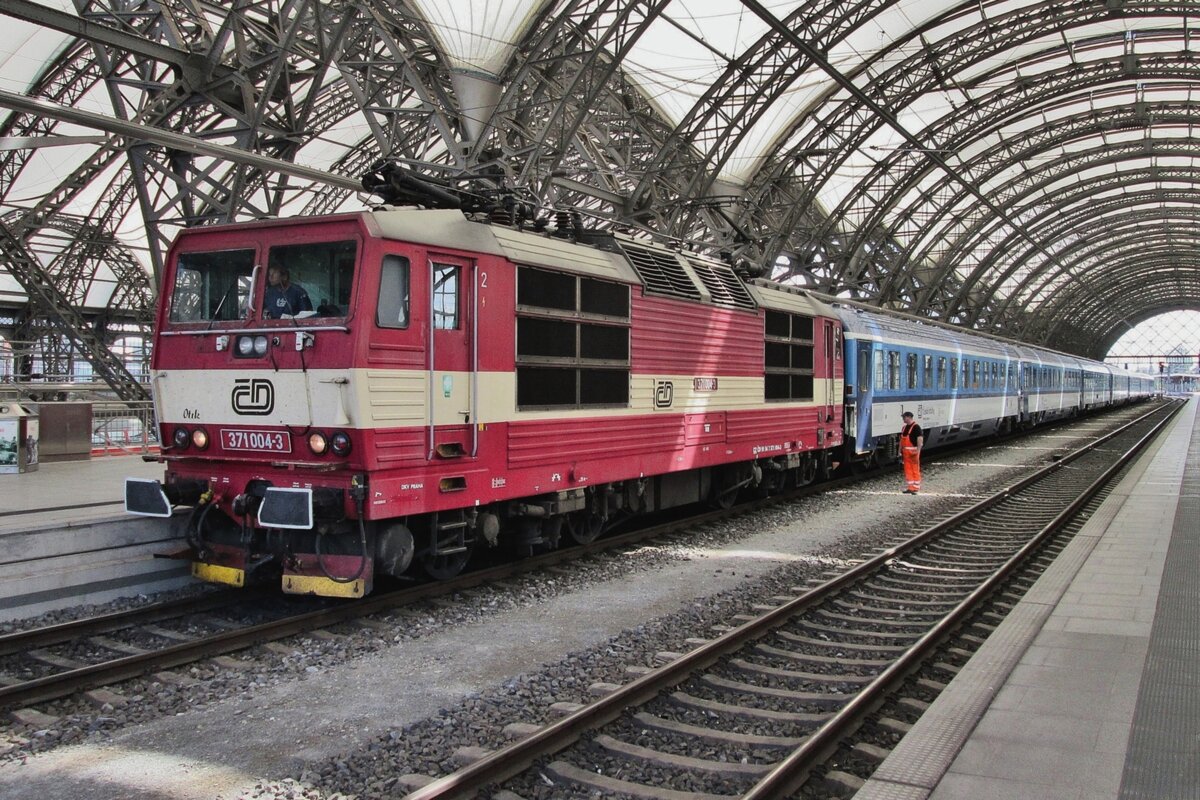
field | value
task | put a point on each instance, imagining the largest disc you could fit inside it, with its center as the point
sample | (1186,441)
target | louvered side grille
(724,286)
(661,272)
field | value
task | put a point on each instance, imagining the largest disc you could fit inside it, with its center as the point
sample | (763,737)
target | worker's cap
(907,415)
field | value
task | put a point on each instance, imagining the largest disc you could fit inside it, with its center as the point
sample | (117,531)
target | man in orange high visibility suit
(912,439)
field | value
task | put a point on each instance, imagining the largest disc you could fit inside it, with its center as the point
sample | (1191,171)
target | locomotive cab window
(788,357)
(392,310)
(309,280)
(572,340)
(446,283)
(212,286)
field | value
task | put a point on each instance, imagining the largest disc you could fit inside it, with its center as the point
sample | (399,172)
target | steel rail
(788,776)
(62,684)
(19,641)
(51,687)
(514,758)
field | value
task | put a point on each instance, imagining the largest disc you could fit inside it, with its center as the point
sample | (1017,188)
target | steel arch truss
(907,235)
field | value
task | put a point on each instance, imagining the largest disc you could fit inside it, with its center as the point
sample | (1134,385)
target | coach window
(975,373)
(941,372)
(893,381)
(927,373)
(966,374)
(445,297)
(392,309)
(954,373)
(995,375)
(910,370)
(880,373)
(211,286)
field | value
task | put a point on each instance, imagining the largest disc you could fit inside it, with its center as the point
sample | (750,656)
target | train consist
(349,396)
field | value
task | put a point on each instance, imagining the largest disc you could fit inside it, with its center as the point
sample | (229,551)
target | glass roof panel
(25,48)
(479,35)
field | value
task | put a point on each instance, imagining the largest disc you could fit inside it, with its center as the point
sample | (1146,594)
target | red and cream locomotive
(450,383)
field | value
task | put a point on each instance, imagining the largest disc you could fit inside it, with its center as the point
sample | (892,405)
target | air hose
(197,544)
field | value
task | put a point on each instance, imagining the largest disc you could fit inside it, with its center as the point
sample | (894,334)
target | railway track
(55,662)
(753,712)
(49,663)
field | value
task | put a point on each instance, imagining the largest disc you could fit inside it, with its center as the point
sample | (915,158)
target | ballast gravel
(356,714)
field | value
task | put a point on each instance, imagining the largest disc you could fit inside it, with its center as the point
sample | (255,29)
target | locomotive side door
(452,357)
(830,355)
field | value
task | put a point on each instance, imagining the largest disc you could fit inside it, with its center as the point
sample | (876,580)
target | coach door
(452,358)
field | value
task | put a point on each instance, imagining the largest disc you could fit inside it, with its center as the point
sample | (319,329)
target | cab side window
(445,297)
(392,310)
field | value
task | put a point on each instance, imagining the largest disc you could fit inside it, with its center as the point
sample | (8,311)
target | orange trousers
(912,467)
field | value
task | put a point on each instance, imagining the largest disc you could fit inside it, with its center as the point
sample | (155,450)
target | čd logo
(664,394)
(253,396)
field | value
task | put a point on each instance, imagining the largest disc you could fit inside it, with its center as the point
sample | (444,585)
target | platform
(1090,689)
(65,538)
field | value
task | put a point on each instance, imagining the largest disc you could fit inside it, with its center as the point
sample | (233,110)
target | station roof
(1025,168)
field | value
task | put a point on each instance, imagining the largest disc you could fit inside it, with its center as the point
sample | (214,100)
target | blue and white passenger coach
(959,385)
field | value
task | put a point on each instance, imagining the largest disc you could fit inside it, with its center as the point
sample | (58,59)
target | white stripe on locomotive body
(375,398)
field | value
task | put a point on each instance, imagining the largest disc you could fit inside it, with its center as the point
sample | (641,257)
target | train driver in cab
(283,296)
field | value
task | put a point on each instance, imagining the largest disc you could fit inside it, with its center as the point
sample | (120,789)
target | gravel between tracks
(349,716)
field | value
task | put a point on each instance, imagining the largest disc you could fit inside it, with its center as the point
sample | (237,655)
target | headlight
(181,438)
(200,438)
(248,346)
(340,443)
(317,443)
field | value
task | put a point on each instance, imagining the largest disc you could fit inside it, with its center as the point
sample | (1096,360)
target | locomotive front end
(253,389)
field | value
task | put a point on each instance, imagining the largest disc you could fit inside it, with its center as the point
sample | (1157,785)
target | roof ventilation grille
(661,272)
(724,286)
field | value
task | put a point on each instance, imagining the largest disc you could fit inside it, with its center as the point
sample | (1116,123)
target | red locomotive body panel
(435,387)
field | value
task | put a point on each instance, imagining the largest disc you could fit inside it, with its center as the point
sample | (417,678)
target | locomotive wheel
(727,482)
(807,473)
(584,527)
(444,567)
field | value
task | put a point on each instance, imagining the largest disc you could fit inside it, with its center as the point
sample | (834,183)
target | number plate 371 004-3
(256,441)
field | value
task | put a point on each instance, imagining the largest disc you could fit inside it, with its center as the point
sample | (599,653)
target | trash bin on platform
(18,438)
